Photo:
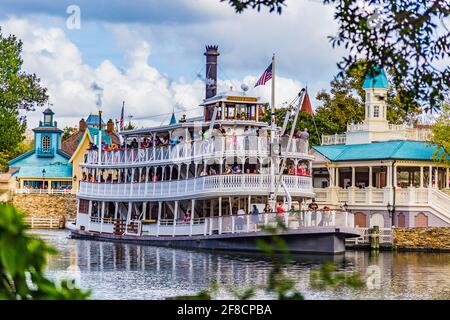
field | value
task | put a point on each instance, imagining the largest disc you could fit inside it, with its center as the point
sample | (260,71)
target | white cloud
(50,54)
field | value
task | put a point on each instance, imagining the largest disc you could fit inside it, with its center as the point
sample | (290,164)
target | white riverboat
(208,182)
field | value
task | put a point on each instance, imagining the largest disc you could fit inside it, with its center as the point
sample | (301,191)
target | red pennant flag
(306,105)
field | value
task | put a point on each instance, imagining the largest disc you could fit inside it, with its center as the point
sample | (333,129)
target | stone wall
(46,205)
(422,238)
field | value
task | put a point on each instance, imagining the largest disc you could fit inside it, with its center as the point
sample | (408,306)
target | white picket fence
(43,223)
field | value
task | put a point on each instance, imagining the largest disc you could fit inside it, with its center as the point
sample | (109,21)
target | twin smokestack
(211,71)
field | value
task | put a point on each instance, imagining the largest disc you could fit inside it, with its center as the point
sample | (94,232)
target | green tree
(22,263)
(20,149)
(130,126)
(67,132)
(408,37)
(18,91)
(441,134)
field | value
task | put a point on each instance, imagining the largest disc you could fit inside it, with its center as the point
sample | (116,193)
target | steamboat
(214,181)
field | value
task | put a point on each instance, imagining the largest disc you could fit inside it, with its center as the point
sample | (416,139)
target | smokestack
(82,125)
(211,71)
(110,126)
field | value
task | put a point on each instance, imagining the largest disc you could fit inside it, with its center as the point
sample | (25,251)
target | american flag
(122,120)
(266,76)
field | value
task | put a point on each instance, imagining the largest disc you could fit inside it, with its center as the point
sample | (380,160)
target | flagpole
(272,136)
(272,117)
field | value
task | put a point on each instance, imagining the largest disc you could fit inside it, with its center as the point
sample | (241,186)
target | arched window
(46,142)
(421,220)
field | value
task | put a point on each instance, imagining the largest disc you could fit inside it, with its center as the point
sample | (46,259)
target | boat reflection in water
(129,271)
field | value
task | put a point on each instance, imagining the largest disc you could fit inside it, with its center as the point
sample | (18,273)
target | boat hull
(322,240)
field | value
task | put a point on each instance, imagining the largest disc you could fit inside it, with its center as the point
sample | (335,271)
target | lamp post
(344,206)
(391,211)
(43,178)
(99,136)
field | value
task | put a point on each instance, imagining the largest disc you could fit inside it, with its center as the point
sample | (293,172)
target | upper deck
(219,147)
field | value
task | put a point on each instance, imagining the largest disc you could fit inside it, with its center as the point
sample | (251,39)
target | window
(48,119)
(46,142)
(230,111)
(376,111)
(84,206)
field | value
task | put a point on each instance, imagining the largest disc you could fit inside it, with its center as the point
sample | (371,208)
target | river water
(129,271)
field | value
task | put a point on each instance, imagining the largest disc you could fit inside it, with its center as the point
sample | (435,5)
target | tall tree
(18,91)
(441,134)
(408,37)
(67,132)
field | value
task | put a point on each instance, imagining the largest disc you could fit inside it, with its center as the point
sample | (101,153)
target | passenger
(187,217)
(247,171)
(304,135)
(240,219)
(237,169)
(291,170)
(84,177)
(313,205)
(212,171)
(134,144)
(267,208)
(222,129)
(280,210)
(144,143)
(228,169)
(255,214)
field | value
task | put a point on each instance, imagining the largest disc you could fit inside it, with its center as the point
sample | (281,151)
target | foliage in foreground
(279,283)
(22,263)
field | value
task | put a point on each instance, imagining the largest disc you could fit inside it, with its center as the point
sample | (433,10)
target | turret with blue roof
(46,164)
(375,79)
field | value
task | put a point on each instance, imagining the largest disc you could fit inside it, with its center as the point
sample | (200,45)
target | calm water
(127,271)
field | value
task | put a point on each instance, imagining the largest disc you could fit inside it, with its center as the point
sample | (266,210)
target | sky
(149,53)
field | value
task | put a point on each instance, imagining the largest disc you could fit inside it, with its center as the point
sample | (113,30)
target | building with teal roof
(384,174)
(46,166)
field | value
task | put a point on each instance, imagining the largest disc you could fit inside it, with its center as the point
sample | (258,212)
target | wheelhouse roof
(232,96)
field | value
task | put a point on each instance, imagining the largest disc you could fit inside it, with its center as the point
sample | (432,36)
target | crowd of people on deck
(145,142)
(280,213)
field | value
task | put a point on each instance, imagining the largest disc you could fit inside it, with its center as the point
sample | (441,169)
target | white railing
(440,201)
(363,126)
(410,196)
(218,184)
(385,237)
(247,223)
(216,146)
(418,134)
(44,191)
(328,140)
